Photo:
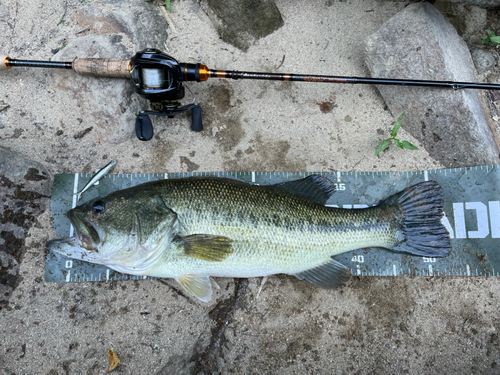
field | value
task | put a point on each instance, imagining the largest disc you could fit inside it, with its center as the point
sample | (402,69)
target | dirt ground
(372,325)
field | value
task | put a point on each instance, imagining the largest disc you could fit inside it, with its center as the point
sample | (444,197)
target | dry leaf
(114,362)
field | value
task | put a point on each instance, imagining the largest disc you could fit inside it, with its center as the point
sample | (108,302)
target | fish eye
(98,207)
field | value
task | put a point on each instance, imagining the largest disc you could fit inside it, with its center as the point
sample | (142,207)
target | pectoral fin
(198,286)
(329,275)
(206,247)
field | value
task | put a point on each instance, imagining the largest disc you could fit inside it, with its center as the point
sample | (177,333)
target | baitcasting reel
(158,77)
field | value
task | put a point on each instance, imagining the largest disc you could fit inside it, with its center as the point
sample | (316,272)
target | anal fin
(198,286)
(329,275)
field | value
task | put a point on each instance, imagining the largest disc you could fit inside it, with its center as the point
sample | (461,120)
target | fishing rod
(158,77)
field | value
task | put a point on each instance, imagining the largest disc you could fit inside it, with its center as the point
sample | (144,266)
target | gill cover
(151,232)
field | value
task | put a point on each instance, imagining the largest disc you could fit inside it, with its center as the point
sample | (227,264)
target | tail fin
(421,211)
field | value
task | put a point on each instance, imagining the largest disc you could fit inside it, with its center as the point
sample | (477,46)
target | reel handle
(196,122)
(144,126)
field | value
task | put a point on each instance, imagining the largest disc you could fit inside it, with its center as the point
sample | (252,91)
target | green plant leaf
(495,39)
(485,40)
(409,146)
(382,146)
(397,125)
(168,5)
(398,143)
(490,33)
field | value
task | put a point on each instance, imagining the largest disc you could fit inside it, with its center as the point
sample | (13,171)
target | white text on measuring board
(487,220)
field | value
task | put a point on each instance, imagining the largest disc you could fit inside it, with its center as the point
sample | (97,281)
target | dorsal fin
(315,187)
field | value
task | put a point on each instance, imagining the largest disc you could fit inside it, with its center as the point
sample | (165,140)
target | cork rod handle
(3,63)
(103,67)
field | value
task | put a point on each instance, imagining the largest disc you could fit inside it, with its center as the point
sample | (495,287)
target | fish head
(126,229)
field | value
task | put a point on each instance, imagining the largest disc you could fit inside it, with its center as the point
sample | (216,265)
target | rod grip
(3,63)
(103,67)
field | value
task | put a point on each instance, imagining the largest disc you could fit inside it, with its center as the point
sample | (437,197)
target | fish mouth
(72,248)
(86,234)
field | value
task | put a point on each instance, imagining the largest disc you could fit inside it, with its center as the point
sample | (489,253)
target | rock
(141,21)
(113,101)
(488,4)
(187,165)
(483,60)
(467,19)
(453,126)
(242,22)
(25,192)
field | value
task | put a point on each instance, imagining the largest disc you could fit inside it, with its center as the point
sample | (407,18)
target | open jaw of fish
(83,245)
(193,228)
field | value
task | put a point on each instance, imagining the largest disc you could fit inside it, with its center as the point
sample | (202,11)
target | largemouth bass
(193,228)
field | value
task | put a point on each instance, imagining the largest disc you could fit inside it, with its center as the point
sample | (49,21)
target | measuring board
(472,208)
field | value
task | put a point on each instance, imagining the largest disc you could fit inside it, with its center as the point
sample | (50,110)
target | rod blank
(234,74)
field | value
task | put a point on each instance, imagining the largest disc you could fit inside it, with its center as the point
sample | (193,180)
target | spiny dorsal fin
(329,275)
(206,247)
(315,187)
(197,285)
